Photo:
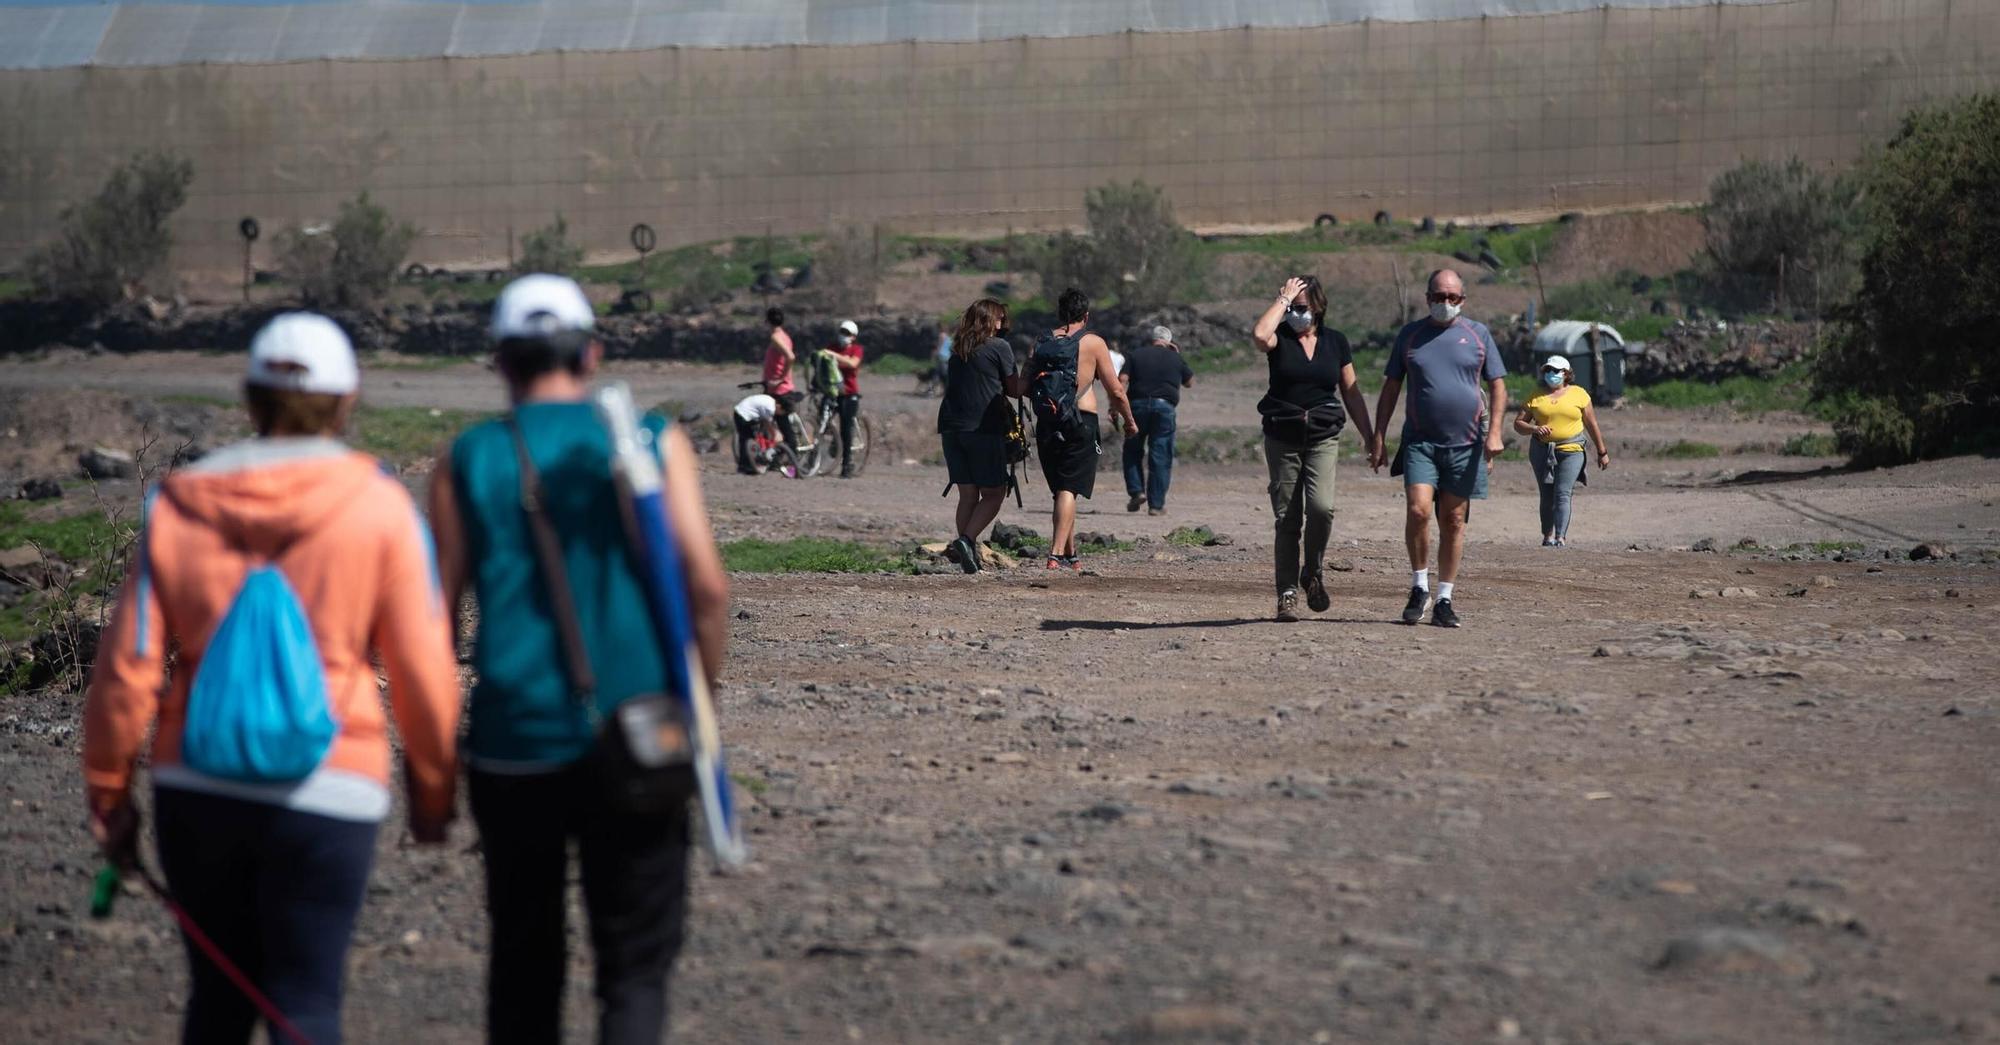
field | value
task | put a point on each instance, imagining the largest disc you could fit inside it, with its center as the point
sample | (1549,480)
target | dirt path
(1023,808)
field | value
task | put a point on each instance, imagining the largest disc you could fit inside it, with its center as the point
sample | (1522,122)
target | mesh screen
(1520,115)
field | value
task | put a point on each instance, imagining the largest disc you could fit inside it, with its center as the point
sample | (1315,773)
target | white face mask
(846,339)
(1444,311)
(1298,320)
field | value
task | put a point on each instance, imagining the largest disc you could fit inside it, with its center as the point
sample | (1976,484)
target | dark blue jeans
(1152,448)
(277,890)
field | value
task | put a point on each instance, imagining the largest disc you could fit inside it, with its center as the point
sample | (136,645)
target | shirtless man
(1068,364)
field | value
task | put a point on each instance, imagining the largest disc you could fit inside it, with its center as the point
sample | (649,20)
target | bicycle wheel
(864,437)
(748,457)
(785,462)
(825,444)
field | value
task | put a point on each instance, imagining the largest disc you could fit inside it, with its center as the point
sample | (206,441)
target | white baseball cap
(303,352)
(847,327)
(1558,362)
(539,306)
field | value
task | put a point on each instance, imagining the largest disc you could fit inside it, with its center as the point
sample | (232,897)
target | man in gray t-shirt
(1450,434)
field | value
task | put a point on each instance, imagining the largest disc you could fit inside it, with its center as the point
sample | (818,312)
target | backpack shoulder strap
(548,550)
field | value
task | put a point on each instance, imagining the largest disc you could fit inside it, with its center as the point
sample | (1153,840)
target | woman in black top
(973,421)
(1312,374)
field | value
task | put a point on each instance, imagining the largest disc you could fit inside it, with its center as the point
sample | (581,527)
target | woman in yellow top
(1558,419)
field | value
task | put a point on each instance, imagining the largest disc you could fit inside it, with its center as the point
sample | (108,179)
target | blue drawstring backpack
(259,710)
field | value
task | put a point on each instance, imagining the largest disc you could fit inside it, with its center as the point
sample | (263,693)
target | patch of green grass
(1515,250)
(1687,450)
(1112,545)
(17,624)
(74,538)
(808,555)
(756,785)
(1190,536)
(1811,444)
(1221,359)
(895,365)
(401,434)
(1219,445)
(1826,547)
(1788,389)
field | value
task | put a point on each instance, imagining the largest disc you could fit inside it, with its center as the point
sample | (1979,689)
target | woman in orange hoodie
(275,872)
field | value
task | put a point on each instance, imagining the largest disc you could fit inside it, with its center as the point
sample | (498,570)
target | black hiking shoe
(1420,600)
(1316,597)
(1288,607)
(1133,502)
(964,553)
(1443,616)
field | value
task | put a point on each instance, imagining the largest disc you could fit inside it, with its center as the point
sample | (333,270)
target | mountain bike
(823,428)
(760,451)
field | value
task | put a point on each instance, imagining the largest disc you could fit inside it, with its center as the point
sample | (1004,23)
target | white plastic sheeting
(54,34)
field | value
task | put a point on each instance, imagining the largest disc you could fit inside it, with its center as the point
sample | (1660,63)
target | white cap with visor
(303,352)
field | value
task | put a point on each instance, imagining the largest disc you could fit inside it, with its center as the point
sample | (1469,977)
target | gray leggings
(1555,480)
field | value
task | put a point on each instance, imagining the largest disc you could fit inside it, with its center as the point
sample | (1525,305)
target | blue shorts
(975,458)
(1457,470)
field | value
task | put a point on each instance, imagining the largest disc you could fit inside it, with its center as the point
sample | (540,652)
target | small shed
(1596,354)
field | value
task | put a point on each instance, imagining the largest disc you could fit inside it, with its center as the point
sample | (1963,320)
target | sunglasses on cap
(1554,370)
(1449,299)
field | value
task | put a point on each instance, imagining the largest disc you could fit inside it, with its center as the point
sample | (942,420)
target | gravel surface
(1646,794)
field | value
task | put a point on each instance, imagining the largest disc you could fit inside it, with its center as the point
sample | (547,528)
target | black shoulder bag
(643,756)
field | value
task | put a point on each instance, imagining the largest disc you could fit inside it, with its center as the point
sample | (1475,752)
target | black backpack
(1052,384)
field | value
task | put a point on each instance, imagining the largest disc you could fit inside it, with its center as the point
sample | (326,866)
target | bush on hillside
(1782,235)
(1135,250)
(1911,367)
(845,272)
(112,242)
(548,249)
(353,262)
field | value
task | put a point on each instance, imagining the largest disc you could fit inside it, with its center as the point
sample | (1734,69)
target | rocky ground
(1647,794)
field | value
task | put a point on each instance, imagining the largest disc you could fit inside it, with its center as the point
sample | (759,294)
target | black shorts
(1069,459)
(975,458)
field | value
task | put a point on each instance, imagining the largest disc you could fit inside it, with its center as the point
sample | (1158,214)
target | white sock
(1444,591)
(1420,580)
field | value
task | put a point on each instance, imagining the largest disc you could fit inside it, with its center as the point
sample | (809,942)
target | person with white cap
(280,570)
(1557,420)
(842,363)
(543,767)
(1154,375)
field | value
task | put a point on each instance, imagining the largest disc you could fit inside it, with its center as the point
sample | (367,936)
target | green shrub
(111,243)
(846,271)
(1762,218)
(353,262)
(548,249)
(1136,252)
(1911,368)
(1811,444)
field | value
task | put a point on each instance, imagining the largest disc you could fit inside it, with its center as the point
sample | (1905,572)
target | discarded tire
(638,301)
(1428,225)
(1465,257)
(1490,260)
(1383,218)
(1326,221)
(416,271)
(495,275)
(249,229)
(1568,217)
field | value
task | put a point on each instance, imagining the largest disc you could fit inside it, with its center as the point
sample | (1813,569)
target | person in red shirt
(846,355)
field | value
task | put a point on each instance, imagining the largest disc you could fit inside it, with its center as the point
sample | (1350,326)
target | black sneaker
(1288,607)
(1442,614)
(1420,600)
(1133,502)
(965,554)
(1316,597)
